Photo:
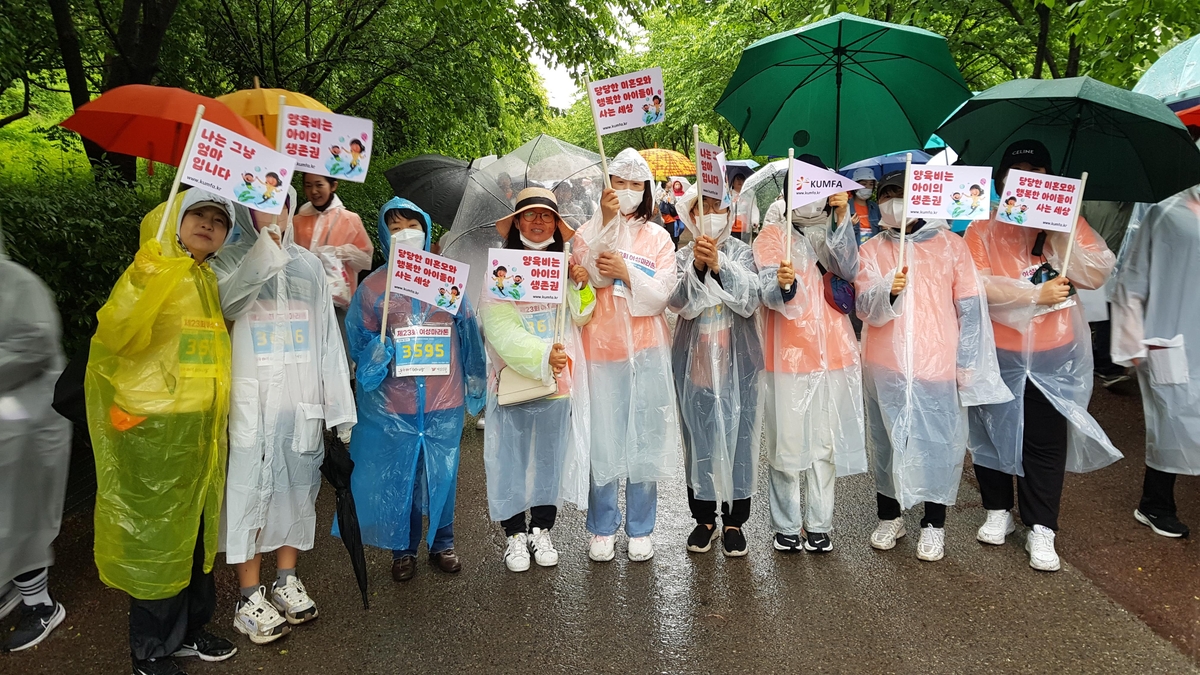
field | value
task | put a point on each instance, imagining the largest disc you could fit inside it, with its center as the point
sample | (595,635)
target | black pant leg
(704,512)
(886,507)
(737,514)
(1158,493)
(201,591)
(935,515)
(1101,348)
(543,516)
(514,525)
(1044,459)
(995,487)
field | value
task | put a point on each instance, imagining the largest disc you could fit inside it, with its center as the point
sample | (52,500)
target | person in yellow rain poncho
(157,390)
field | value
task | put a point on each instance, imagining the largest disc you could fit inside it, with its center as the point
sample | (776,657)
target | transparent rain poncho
(1052,349)
(157,390)
(290,382)
(403,420)
(717,360)
(1155,321)
(813,375)
(635,425)
(926,357)
(35,441)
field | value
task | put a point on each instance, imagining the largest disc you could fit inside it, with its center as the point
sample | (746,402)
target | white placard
(525,276)
(811,183)
(338,146)
(233,166)
(1039,200)
(430,278)
(950,192)
(628,101)
(710,171)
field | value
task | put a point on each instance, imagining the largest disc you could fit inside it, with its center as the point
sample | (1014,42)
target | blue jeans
(443,539)
(604,515)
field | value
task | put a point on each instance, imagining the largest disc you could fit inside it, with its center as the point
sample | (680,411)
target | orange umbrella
(152,122)
(666,163)
(261,106)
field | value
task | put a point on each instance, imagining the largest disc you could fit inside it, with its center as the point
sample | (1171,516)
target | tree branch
(24,111)
(1012,9)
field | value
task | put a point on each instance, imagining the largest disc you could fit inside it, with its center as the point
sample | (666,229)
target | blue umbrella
(1174,78)
(885,164)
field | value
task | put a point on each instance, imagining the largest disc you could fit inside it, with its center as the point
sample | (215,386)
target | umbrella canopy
(1132,147)
(433,182)
(261,106)
(573,173)
(1174,78)
(885,164)
(739,167)
(151,122)
(665,163)
(765,187)
(1190,117)
(337,468)
(842,89)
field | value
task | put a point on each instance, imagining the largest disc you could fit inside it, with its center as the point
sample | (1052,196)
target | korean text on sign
(524,276)
(628,101)
(430,278)
(333,145)
(949,192)
(1039,201)
(711,170)
(235,167)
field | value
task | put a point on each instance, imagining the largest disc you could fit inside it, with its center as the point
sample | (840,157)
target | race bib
(198,346)
(281,337)
(541,323)
(713,320)
(1027,275)
(421,351)
(633,261)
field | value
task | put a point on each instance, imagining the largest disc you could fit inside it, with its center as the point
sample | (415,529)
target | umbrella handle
(187,149)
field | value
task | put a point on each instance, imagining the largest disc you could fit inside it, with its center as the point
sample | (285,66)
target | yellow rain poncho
(157,392)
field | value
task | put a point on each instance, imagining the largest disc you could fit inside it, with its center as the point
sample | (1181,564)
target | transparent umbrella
(573,173)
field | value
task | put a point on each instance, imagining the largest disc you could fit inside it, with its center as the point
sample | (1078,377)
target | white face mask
(890,213)
(809,214)
(410,238)
(714,223)
(864,193)
(630,200)
(542,246)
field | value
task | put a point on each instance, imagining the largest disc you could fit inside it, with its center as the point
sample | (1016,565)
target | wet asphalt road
(854,610)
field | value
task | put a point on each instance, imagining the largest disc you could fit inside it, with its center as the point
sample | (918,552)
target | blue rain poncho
(717,360)
(403,420)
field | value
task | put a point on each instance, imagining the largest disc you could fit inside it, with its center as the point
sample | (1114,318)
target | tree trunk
(72,58)
(1073,58)
(1043,40)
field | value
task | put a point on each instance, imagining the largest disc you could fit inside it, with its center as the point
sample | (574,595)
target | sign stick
(787,213)
(387,292)
(279,140)
(1074,223)
(564,309)
(187,149)
(599,137)
(699,183)
(904,220)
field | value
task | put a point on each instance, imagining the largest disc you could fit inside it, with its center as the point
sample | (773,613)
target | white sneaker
(516,556)
(932,544)
(885,535)
(641,549)
(544,553)
(258,619)
(603,548)
(999,524)
(1040,544)
(10,597)
(479,423)
(293,602)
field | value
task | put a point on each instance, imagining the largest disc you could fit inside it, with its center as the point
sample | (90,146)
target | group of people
(237,344)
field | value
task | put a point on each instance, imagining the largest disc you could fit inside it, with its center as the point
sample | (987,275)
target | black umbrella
(337,468)
(433,182)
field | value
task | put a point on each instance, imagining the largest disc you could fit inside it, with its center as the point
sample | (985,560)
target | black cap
(1027,150)
(812,159)
(895,178)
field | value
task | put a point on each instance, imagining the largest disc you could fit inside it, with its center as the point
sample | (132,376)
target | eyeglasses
(531,215)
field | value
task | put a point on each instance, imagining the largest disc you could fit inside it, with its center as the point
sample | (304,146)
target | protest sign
(430,278)
(949,192)
(525,276)
(1039,201)
(628,101)
(811,183)
(710,171)
(338,146)
(233,166)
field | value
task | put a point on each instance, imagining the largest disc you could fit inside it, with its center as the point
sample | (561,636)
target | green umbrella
(843,89)
(1132,147)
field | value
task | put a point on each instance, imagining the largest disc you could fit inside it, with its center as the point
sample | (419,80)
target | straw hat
(534,198)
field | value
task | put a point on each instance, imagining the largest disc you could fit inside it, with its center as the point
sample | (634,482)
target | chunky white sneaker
(257,619)
(603,548)
(1040,544)
(999,524)
(293,602)
(640,549)
(544,553)
(516,556)
(932,544)
(885,535)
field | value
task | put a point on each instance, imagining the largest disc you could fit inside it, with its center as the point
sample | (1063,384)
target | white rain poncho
(635,425)
(813,375)
(35,442)
(290,382)
(1051,349)
(926,357)
(536,453)
(717,360)
(1156,320)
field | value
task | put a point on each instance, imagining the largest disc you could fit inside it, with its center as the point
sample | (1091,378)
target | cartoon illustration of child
(1007,212)
(336,164)
(1021,213)
(245,191)
(454,297)
(356,150)
(976,197)
(515,291)
(443,300)
(956,205)
(270,184)
(499,276)
(658,108)
(647,116)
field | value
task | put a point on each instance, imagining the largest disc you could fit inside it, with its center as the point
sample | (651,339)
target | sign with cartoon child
(1039,201)
(430,278)
(338,146)
(629,101)
(950,192)
(235,167)
(525,276)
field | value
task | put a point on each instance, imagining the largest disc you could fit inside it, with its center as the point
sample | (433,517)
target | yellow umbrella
(665,163)
(261,106)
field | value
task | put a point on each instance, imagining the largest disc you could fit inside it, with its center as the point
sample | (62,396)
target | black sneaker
(1108,380)
(207,646)
(818,542)
(701,538)
(156,667)
(787,543)
(1167,526)
(734,542)
(35,625)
